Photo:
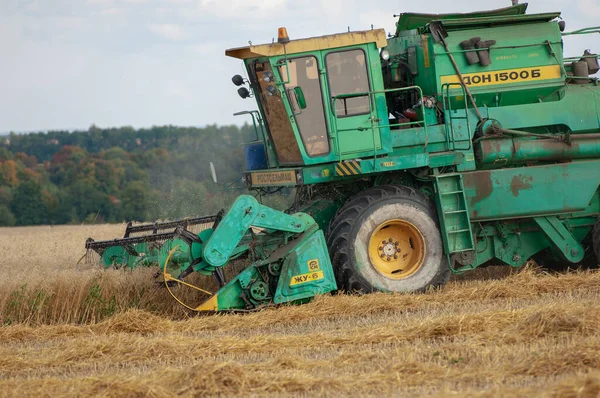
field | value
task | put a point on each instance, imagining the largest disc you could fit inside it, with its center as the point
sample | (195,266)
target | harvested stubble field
(74,330)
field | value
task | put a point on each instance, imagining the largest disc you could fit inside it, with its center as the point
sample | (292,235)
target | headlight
(237,80)
(268,76)
(385,55)
(271,90)
(243,92)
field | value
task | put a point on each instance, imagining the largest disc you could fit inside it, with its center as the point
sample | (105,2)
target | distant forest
(118,174)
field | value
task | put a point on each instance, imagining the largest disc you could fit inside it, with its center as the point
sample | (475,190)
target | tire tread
(338,239)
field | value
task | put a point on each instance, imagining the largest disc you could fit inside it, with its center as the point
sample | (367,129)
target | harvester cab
(461,140)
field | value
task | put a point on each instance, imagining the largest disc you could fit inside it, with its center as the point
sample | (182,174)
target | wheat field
(76,330)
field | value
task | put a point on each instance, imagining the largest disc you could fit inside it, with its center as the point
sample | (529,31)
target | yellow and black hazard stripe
(350,168)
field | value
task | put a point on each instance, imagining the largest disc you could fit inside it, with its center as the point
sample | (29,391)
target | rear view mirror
(300,99)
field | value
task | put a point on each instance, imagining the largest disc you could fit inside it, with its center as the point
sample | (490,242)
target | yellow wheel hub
(397,249)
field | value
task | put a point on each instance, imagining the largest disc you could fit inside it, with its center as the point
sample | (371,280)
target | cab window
(347,73)
(304,73)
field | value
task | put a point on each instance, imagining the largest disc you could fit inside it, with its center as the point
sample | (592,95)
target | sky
(68,64)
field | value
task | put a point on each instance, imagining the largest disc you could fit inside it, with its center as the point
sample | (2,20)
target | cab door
(305,72)
(354,120)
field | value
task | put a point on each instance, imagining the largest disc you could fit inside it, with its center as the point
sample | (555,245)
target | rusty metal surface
(527,191)
(508,151)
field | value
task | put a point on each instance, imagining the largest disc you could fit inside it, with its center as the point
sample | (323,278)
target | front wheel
(387,239)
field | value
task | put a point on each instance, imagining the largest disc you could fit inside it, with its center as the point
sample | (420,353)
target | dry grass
(43,283)
(495,333)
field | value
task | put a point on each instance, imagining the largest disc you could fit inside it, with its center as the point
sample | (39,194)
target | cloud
(113,11)
(158,55)
(589,7)
(205,48)
(169,31)
(179,90)
(259,9)
(100,2)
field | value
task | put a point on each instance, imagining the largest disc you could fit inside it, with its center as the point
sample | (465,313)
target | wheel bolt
(389,258)
(395,257)
(380,247)
(382,255)
(384,242)
(396,243)
(391,240)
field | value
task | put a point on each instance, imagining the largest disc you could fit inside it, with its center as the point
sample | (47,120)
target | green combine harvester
(463,140)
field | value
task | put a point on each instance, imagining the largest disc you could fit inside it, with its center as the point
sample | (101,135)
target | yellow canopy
(376,36)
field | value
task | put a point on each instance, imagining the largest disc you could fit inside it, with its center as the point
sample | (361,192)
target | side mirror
(237,80)
(300,99)
(243,92)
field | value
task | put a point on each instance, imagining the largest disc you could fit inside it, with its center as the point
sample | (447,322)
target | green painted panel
(577,110)
(409,21)
(307,271)
(526,65)
(531,191)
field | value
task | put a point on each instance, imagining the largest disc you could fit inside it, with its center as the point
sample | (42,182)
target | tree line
(119,174)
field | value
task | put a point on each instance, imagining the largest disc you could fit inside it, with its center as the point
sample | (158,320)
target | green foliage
(28,205)
(16,300)
(96,304)
(7,218)
(118,174)
(83,199)
(135,201)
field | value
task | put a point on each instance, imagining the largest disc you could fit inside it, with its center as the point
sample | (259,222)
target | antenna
(213,172)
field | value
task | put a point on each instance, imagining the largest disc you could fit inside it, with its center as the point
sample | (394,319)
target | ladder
(455,221)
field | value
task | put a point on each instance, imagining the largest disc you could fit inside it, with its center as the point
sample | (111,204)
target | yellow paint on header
(212,304)
(306,278)
(508,76)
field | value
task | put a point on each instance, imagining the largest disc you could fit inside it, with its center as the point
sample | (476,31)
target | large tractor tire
(387,239)
(591,259)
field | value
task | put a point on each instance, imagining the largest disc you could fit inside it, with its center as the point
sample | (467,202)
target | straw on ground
(116,334)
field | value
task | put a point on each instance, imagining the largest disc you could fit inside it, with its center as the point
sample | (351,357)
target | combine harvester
(461,140)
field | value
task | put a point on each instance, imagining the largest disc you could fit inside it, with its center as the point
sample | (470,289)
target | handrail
(374,126)
(584,31)
(575,59)
(448,120)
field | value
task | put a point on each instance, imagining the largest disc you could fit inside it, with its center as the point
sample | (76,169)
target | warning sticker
(509,76)
(313,265)
(310,277)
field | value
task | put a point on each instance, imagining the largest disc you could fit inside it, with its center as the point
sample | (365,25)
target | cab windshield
(275,115)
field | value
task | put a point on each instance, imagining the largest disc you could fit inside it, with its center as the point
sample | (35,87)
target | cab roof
(376,36)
